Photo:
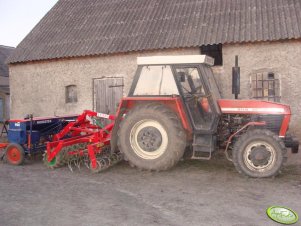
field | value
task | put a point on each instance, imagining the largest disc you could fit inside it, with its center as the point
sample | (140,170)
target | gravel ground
(192,193)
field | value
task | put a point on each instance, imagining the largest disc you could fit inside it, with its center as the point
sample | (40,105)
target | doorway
(107,94)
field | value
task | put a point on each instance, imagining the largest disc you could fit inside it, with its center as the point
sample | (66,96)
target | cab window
(156,80)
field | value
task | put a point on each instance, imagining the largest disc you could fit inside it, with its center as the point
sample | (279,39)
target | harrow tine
(80,157)
(86,161)
(70,167)
(78,163)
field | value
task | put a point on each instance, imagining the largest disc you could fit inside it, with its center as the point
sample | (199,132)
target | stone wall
(39,87)
(282,58)
(4,81)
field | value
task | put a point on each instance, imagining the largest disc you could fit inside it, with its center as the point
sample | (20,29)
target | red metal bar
(80,129)
(55,143)
(29,141)
(51,155)
(183,115)
(63,143)
(64,131)
(3,145)
(92,156)
(238,131)
(284,126)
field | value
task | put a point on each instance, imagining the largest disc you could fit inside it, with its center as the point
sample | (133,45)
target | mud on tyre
(151,137)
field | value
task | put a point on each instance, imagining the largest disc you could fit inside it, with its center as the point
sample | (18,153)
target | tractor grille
(273,122)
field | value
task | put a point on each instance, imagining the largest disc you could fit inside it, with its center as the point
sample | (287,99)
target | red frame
(82,131)
(226,106)
(253,107)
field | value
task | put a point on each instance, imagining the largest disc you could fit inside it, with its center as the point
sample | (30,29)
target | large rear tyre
(14,154)
(259,153)
(151,137)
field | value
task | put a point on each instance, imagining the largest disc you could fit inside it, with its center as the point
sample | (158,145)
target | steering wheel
(200,89)
(193,96)
(196,95)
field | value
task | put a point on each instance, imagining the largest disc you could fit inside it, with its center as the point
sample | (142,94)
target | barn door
(107,94)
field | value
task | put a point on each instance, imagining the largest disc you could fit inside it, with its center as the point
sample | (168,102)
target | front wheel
(258,153)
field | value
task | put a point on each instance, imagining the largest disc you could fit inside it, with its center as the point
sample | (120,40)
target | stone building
(82,54)
(5,51)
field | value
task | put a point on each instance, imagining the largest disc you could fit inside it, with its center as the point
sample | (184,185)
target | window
(156,80)
(71,94)
(192,83)
(265,86)
(214,51)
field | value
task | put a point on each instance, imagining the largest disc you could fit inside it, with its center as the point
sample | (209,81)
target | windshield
(212,82)
(191,82)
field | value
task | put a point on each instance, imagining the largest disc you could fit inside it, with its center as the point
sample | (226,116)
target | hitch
(291,142)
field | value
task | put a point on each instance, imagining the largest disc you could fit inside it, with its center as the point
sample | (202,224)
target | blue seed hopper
(28,136)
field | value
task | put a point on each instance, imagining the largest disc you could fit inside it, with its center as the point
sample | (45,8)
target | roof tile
(5,51)
(93,27)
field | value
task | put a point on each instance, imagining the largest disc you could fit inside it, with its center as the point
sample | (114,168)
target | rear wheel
(14,154)
(259,153)
(151,137)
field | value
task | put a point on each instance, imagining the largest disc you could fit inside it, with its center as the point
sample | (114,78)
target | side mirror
(182,76)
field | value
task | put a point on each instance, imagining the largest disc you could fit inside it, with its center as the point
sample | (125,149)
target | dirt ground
(192,193)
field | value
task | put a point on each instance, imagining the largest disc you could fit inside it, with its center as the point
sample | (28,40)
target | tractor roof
(182,59)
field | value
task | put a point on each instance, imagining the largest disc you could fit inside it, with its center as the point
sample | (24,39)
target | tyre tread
(261,132)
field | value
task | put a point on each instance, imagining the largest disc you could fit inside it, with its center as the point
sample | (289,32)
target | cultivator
(83,142)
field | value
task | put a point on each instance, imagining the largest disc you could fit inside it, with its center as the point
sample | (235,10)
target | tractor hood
(253,107)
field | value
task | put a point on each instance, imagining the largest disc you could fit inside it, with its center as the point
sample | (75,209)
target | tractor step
(203,145)
(201,155)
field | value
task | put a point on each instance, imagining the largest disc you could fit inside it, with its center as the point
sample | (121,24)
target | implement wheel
(56,162)
(259,153)
(151,137)
(14,154)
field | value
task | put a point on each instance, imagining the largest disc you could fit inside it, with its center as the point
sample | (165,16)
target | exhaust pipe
(236,79)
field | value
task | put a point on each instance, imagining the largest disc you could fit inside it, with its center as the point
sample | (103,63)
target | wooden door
(107,94)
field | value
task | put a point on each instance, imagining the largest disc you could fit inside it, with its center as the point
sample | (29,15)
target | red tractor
(174,105)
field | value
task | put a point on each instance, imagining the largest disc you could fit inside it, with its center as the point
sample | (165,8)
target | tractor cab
(186,77)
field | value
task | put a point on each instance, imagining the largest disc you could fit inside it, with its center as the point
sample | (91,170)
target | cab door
(196,97)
